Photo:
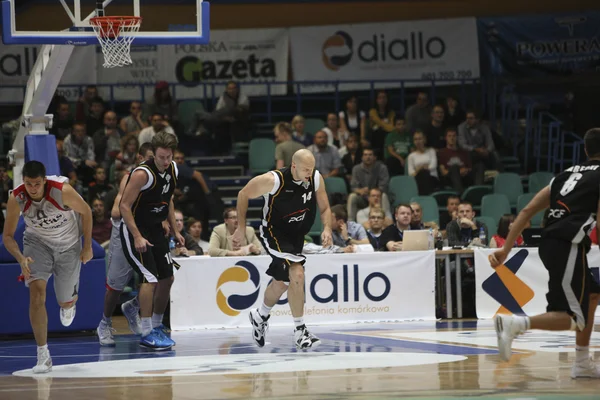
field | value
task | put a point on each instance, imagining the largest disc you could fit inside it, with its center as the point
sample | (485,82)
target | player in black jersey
(291,198)
(146,203)
(573,199)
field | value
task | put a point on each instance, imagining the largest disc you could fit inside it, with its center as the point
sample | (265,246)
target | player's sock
(298,321)
(522,323)
(42,348)
(582,354)
(264,310)
(157,320)
(146,326)
(106,320)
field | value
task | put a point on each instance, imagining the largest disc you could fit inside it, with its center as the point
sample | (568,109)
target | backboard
(32,28)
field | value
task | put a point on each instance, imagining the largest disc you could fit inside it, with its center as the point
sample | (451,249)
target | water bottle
(430,239)
(171,244)
(482,237)
(439,244)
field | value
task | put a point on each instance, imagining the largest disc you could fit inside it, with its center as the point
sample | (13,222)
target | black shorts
(155,263)
(567,262)
(285,250)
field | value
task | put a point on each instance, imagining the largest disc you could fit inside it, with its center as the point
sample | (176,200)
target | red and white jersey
(49,220)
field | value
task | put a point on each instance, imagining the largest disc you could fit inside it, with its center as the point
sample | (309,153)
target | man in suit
(221,245)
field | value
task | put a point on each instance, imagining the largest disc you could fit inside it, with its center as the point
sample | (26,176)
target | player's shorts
(155,263)
(571,280)
(119,271)
(285,250)
(64,265)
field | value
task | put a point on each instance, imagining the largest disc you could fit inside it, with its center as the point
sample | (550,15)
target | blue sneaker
(164,329)
(156,340)
(165,334)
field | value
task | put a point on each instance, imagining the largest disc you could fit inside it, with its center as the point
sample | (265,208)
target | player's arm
(131,192)
(540,202)
(323,202)
(598,221)
(73,200)
(258,186)
(10,226)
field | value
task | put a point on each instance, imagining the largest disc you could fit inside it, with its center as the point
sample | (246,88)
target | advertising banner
(540,45)
(406,50)
(219,292)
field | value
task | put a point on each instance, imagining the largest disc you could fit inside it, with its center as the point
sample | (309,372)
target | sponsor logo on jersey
(556,213)
(299,218)
(158,209)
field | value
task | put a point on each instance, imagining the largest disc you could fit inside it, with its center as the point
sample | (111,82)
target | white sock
(157,320)
(264,310)
(42,348)
(298,321)
(106,320)
(582,354)
(146,326)
(522,323)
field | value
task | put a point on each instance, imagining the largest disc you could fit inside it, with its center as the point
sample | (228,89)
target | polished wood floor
(430,360)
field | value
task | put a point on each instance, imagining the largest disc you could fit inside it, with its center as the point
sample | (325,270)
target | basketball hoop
(116,47)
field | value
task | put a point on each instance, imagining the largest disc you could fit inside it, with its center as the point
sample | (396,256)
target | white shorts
(119,271)
(64,265)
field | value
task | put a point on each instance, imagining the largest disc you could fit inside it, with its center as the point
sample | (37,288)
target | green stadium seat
(509,184)
(442,197)
(402,188)
(429,205)
(261,155)
(313,125)
(187,111)
(523,200)
(539,180)
(491,225)
(495,206)
(335,184)
(474,194)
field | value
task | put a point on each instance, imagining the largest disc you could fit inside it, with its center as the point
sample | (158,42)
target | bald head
(303,156)
(303,164)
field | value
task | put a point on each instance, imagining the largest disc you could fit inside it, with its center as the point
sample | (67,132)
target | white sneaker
(105,334)
(44,362)
(508,327)
(132,314)
(586,369)
(67,315)
(304,339)
(260,326)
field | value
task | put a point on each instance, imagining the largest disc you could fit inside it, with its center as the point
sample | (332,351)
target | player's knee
(279,286)
(594,298)
(296,273)
(37,298)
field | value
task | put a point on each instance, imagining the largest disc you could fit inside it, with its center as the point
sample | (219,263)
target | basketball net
(116,47)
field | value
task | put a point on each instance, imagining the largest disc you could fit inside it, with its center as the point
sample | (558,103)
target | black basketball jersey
(291,206)
(152,204)
(574,198)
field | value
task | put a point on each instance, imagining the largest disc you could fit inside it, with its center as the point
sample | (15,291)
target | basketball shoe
(156,340)
(586,369)
(304,339)
(508,327)
(131,311)
(260,326)
(105,333)
(67,315)
(44,362)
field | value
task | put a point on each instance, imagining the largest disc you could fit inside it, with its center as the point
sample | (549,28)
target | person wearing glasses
(376,222)
(221,245)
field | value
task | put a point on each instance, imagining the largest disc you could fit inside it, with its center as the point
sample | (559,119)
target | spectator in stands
(453,114)
(84,103)
(80,149)
(99,187)
(376,225)
(66,166)
(335,136)
(158,124)
(464,230)
(476,138)
(382,119)
(134,122)
(418,116)
(191,248)
(353,120)
(163,103)
(397,148)
(286,147)
(435,131)
(232,117)
(391,238)
(365,176)
(417,219)
(127,158)
(375,201)
(451,211)
(107,141)
(221,238)
(327,158)
(298,134)
(62,122)
(195,230)
(422,164)
(6,186)
(455,164)
(504,225)
(344,232)
(192,192)
(102,225)
(352,157)
(95,119)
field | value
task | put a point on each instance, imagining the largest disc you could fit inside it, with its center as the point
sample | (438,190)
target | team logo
(243,271)
(506,288)
(337,50)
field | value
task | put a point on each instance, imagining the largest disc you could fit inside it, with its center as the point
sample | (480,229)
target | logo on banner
(190,70)
(337,50)
(506,288)
(233,304)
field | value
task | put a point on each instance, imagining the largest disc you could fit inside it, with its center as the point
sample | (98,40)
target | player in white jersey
(51,209)
(119,271)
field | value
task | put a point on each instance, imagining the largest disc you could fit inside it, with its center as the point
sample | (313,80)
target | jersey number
(166,188)
(169,258)
(570,184)
(306,196)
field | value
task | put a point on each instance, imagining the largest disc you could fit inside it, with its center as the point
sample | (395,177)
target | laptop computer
(532,237)
(417,240)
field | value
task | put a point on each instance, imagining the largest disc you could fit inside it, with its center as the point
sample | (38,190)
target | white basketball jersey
(49,220)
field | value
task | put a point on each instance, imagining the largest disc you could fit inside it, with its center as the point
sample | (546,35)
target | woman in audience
(128,155)
(422,164)
(335,135)
(353,120)
(299,135)
(504,226)
(382,119)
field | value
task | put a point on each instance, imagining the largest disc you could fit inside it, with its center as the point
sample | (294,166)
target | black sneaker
(304,339)
(260,325)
